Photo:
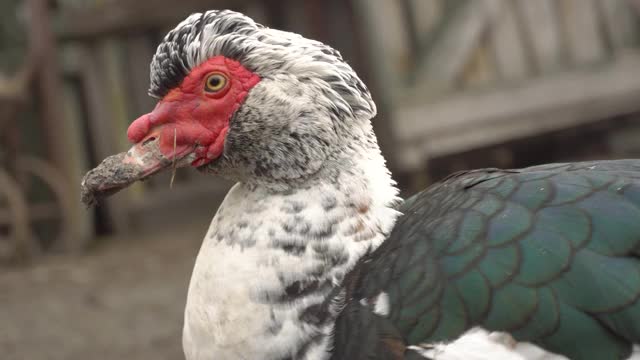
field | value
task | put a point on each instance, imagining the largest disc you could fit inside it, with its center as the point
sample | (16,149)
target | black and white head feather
(265,51)
(308,111)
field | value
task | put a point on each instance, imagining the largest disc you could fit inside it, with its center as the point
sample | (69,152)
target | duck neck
(270,259)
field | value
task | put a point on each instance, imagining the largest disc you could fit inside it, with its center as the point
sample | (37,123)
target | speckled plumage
(270,268)
(317,106)
(267,52)
(292,266)
(287,233)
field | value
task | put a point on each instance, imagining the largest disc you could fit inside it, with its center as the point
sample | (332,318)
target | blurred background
(459,83)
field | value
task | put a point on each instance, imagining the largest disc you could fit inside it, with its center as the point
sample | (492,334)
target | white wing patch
(382,306)
(479,344)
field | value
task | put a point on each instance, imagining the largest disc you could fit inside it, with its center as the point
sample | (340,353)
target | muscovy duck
(312,255)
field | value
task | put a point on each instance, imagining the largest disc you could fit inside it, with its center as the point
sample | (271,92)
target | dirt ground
(122,300)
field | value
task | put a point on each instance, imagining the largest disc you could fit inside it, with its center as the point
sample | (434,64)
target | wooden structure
(461,75)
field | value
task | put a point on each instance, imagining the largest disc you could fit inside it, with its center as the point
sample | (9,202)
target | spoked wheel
(50,208)
(15,242)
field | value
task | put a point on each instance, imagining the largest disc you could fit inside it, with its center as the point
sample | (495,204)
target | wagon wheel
(50,208)
(15,244)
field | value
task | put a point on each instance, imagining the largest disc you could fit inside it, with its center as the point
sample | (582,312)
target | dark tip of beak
(111,176)
(121,170)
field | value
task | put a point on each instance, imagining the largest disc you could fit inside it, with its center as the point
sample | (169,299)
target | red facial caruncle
(192,118)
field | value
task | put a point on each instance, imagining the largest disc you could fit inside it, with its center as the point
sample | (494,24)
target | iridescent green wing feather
(550,254)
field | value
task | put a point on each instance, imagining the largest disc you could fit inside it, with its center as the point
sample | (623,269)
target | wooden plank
(42,46)
(100,118)
(61,133)
(78,157)
(139,51)
(99,112)
(480,70)
(421,20)
(506,43)
(450,53)
(543,33)
(585,41)
(121,16)
(620,22)
(427,15)
(70,59)
(391,41)
(555,102)
(114,68)
(381,80)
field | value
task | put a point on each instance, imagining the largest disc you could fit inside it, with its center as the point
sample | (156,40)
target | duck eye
(215,82)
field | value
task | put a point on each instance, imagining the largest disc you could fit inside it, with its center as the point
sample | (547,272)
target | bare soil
(122,300)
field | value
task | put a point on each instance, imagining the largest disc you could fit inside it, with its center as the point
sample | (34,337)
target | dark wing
(550,254)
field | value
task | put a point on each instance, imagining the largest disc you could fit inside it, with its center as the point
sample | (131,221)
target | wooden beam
(381,41)
(425,15)
(383,28)
(59,131)
(101,134)
(121,16)
(471,120)
(582,27)
(506,43)
(78,155)
(450,52)
(42,51)
(544,33)
(16,218)
(139,51)
(620,22)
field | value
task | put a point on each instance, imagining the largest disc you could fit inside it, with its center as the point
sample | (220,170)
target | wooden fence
(466,74)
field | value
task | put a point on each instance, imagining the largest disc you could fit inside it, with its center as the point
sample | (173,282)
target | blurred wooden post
(512,60)
(42,49)
(43,53)
(12,92)
(385,48)
(101,116)
(545,34)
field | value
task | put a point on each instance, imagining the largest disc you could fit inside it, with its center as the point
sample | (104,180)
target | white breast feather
(225,318)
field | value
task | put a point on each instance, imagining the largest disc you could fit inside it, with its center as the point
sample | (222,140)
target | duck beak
(121,170)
